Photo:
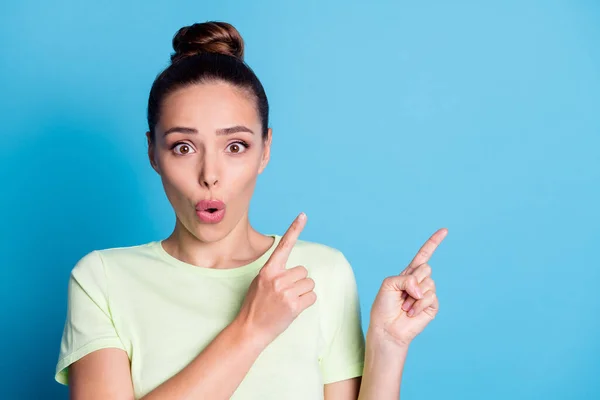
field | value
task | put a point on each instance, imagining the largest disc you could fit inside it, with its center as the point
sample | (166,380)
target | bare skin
(208,165)
(404,306)
(219,159)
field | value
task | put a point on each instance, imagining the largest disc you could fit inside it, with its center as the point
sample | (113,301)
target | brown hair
(204,52)
(209,37)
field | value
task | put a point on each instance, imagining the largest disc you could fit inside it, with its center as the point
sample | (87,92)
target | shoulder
(335,280)
(317,251)
(94,263)
(126,253)
(319,258)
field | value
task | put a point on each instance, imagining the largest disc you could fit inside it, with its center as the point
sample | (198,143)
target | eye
(184,148)
(238,147)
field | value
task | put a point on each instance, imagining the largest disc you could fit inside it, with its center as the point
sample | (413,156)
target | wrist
(379,339)
(251,337)
(384,365)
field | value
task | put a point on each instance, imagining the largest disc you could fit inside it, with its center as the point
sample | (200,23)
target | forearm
(382,374)
(217,371)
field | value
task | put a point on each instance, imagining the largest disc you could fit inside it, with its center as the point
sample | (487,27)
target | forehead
(210,106)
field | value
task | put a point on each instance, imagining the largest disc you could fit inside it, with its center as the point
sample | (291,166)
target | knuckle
(428,283)
(304,271)
(296,306)
(285,243)
(291,306)
(427,269)
(278,285)
(288,296)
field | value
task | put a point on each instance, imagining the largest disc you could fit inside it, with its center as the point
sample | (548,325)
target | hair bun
(208,37)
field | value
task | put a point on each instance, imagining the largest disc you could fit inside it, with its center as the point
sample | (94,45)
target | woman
(218,310)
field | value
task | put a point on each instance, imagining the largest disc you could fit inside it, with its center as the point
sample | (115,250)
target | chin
(209,233)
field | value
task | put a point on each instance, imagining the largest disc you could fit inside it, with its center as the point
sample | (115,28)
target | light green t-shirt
(163,312)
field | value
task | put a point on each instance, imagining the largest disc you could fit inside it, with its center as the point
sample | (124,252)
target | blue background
(391,120)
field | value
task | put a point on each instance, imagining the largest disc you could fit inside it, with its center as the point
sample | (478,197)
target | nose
(209,176)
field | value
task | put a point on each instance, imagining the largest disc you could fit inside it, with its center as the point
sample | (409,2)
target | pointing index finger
(428,248)
(288,240)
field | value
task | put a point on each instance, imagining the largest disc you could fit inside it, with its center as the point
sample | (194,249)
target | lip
(204,205)
(210,218)
(205,216)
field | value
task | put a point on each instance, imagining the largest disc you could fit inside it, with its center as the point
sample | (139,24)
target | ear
(266,156)
(151,153)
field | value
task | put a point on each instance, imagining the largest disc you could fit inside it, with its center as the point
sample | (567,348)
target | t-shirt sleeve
(344,355)
(88,326)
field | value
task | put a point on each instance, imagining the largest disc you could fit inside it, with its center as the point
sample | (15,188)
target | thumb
(408,283)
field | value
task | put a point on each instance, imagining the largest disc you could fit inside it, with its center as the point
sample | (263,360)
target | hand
(278,295)
(406,303)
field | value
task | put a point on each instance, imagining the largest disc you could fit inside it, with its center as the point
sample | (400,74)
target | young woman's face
(209,145)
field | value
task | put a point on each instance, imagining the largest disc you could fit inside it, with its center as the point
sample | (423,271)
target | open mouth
(212,209)
(210,213)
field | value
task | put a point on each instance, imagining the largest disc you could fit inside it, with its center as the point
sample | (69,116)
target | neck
(242,245)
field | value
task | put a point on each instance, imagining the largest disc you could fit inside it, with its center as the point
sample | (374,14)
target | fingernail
(302,216)
(411,312)
(405,306)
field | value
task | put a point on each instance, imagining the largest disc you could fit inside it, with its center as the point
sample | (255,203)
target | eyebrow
(223,131)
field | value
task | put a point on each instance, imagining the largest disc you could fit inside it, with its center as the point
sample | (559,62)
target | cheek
(179,181)
(240,178)
(178,176)
(238,181)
